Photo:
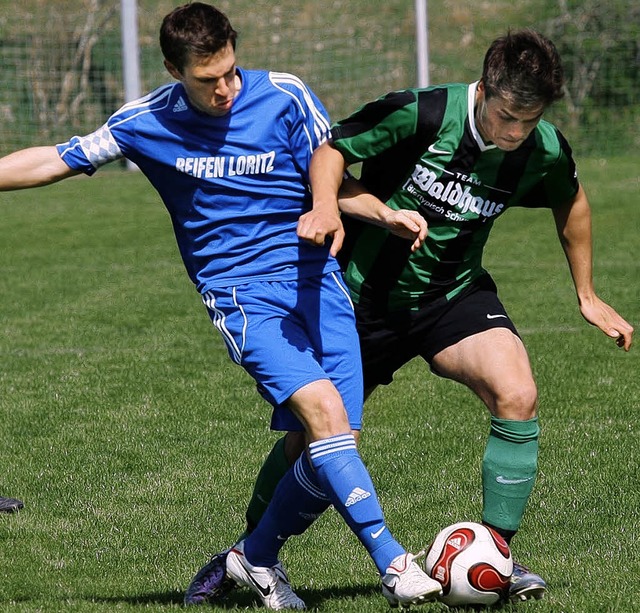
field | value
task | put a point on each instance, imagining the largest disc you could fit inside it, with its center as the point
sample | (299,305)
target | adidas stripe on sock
(347,482)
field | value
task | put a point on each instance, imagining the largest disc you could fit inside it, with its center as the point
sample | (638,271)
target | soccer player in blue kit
(228,150)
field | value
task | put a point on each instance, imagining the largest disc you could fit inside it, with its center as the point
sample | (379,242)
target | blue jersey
(234,185)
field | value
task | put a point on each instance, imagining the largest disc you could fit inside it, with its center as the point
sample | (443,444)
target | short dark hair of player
(524,68)
(194,29)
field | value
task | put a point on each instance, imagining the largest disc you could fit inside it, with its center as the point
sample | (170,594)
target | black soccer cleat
(526,585)
(211,582)
(10,505)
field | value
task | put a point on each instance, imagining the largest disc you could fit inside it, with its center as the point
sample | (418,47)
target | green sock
(273,469)
(509,470)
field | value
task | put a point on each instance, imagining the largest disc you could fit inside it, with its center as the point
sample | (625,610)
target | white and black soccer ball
(472,562)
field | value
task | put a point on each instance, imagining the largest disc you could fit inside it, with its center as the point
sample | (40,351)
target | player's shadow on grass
(244,598)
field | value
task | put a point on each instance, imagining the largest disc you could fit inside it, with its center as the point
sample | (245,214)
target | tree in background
(60,69)
(600,46)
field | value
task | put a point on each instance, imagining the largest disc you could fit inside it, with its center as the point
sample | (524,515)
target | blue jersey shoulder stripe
(320,122)
(159,93)
(155,101)
(87,153)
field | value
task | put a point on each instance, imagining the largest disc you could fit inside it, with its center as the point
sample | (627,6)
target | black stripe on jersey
(382,174)
(538,195)
(514,165)
(372,114)
(467,153)
(464,158)
(383,276)
(352,229)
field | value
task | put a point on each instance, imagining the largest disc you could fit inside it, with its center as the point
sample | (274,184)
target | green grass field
(133,440)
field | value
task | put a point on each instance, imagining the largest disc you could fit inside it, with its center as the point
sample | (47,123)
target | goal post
(422,42)
(130,55)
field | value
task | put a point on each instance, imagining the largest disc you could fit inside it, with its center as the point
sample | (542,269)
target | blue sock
(297,502)
(346,481)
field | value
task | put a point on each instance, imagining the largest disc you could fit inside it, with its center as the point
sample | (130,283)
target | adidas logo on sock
(356,495)
(180,106)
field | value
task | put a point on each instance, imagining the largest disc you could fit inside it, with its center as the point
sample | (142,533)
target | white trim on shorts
(219,322)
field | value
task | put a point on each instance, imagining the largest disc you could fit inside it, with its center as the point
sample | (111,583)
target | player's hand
(319,224)
(408,224)
(601,315)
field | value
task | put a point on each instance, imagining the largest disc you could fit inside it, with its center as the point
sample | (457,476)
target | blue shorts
(287,334)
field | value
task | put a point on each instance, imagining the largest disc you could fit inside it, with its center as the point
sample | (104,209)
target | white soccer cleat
(405,583)
(270,583)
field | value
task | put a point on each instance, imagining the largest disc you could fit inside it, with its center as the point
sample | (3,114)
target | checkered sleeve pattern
(100,147)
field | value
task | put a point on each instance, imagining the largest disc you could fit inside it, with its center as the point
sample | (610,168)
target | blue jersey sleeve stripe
(100,147)
(285,77)
(306,103)
(156,101)
(161,93)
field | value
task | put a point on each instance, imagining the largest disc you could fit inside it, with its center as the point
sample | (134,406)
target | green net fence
(62,59)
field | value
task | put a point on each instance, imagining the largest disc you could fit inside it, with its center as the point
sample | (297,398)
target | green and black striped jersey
(421,150)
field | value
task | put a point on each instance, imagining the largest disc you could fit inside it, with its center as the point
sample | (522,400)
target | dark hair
(524,68)
(194,29)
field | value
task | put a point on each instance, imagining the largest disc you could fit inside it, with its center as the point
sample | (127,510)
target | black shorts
(388,341)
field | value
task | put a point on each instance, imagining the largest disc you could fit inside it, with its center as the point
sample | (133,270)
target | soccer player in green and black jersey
(455,157)
(461,155)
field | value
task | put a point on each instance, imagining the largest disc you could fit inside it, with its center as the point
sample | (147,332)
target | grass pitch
(133,440)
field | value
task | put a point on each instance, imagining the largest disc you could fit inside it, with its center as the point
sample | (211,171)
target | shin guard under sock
(346,481)
(509,470)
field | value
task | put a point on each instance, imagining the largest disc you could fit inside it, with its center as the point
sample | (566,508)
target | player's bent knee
(518,403)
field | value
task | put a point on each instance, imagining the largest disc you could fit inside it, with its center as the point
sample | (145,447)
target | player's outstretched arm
(355,201)
(573,222)
(32,167)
